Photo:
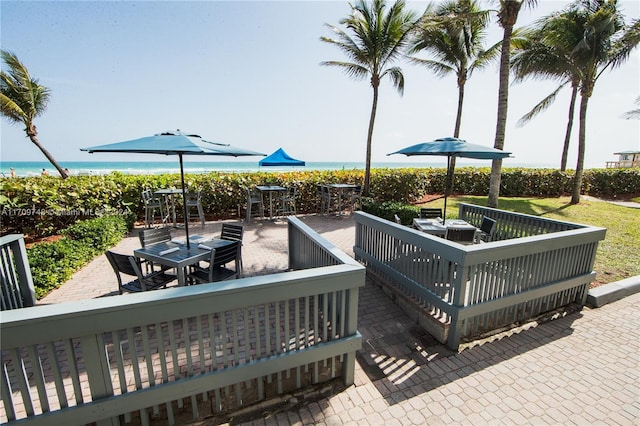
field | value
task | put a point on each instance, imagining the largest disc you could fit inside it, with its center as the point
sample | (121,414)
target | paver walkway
(581,369)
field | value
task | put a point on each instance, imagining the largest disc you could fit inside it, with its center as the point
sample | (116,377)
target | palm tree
(605,43)
(22,99)
(507,18)
(453,35)
(538,56)
(577,45)
(378,40)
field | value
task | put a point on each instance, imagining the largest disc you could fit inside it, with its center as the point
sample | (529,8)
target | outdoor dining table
(175,253)
(340,188)
(435,226)
(167,194)
(270,189)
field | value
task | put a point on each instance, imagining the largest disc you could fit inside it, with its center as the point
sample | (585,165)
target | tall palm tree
(576,46)
(453,35)
(22,99)
(605,43)
(378,40)
(507,18)
(538,56)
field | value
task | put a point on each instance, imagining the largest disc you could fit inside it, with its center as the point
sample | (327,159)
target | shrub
(388,209)
(52,263)
(223,193)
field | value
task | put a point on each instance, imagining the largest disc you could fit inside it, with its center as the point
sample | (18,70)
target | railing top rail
(335,252)
(503,213)
(10,238)
(71,319)
(479,253)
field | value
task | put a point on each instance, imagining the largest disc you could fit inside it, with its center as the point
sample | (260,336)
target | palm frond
(541,106)
(355,71)
(397,78)
(438,68)
(10,109)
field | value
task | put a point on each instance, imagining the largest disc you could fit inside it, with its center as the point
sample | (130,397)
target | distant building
(625,159)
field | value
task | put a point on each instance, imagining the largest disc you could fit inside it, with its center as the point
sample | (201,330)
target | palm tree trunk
(567,136)
(36,142)
(503,97)
(456,134)
(456,130)
(582,136)
(372,119)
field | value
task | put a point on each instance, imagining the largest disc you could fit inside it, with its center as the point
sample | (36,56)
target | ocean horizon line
(89,168)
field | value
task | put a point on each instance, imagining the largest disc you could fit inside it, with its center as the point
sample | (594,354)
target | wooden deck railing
(17,284)
(459,292)
(213,347)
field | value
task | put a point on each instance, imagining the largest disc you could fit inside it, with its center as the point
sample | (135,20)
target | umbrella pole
(184,203)
(446,189)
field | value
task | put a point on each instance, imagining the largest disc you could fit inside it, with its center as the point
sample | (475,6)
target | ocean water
(80,168)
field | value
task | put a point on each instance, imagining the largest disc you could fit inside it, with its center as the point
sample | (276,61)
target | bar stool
(194,199)
(151,204)
(254,198)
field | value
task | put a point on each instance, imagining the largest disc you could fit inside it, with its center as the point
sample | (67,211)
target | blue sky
(248,74)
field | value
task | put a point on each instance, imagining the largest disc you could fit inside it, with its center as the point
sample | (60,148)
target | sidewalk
(583,368)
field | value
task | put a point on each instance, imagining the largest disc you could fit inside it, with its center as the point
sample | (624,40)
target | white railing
(214,347)
(460,292)
(16,284)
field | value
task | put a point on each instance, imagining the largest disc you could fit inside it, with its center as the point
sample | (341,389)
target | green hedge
(388,209)
(52,263)
(41,206)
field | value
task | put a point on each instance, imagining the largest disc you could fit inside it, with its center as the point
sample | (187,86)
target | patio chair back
(254,199)
(194,199)
(429,213)
(289,201)
(460,235)
(397,219)
(151,205)
(150,236)
(231,232)
(217,269)
(153,236)
(356,198)
(129,265)
(487,228)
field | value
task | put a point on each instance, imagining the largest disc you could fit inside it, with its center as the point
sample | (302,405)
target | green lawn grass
(618,256)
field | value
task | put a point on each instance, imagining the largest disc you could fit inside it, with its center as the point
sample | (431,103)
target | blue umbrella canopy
(280,158)
(174,143)
(451,148)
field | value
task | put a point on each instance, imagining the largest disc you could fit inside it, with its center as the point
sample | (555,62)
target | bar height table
(340,188)
(270,189)
(170,202)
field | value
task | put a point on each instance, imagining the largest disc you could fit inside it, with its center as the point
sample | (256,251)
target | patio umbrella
(280,158)
(452,147)
(174,143)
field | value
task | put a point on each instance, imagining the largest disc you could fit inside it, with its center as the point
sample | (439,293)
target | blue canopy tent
(280,158)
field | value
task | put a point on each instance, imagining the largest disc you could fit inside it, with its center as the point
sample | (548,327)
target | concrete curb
(600,296)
